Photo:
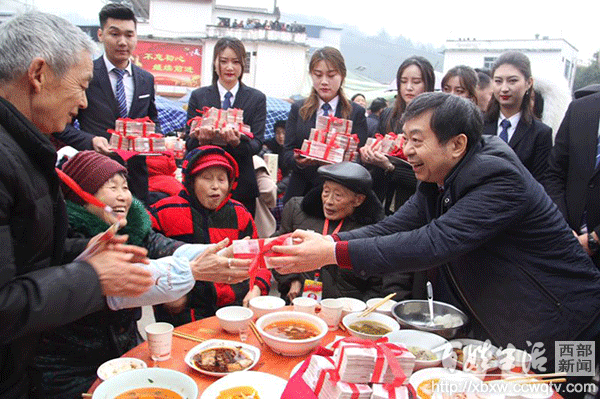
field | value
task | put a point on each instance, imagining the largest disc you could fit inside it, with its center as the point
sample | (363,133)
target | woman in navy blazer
(228,68)
(531,139)
(327,70)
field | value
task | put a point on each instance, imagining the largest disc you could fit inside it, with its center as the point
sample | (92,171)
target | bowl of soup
(372,326)
(145,383)
(291,333)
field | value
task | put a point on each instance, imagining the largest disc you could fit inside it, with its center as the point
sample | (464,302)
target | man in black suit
(573,180)
(118,35)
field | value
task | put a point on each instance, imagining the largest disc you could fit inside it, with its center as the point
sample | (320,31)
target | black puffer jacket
(505,251)
(36,294)
(307,213)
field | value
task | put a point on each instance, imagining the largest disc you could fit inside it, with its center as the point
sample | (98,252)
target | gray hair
(36,34)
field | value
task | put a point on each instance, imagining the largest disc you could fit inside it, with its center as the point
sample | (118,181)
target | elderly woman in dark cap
(345,201)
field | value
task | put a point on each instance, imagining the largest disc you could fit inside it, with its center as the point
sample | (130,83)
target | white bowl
(147,378)
(234,318)
(119,365)
(262,305)
(385,309)
(440,347)
(374,316)
(455,382)
(291,347)
(352,305)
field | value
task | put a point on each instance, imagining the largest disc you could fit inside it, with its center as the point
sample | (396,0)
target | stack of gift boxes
(218,119)
(360,370)
(390,144)
(331,141)
(136,135)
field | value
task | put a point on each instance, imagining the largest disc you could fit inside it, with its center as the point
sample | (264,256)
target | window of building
(488,62)
(568,69)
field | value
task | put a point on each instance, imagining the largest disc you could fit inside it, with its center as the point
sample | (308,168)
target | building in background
(554,59)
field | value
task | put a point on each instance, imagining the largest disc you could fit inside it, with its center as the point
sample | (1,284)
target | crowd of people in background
(253,23)
(506,210)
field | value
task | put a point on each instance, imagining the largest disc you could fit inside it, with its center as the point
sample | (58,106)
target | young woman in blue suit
(327,70)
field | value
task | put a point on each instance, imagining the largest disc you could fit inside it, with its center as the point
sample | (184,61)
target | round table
(209,328)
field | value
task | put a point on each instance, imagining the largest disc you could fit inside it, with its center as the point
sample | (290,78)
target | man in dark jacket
(42,85)
(503,250)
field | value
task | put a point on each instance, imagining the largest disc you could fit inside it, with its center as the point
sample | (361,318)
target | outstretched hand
(220,268)
(310,252)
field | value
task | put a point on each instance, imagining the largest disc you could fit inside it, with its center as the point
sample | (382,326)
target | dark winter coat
(307,213)
(69,356)
(504,249)
(36,293)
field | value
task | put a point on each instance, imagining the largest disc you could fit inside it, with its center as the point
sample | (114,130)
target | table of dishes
(196,346)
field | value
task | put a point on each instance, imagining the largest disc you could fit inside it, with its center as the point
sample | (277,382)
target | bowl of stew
(145,383)
(291,333)
(372,326)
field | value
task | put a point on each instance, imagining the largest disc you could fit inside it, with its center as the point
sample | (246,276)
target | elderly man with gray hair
(44,70)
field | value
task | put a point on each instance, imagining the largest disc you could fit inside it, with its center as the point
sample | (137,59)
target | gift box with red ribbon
(380,392)
(330,386)
(218,119)
(318,135)
(140,127)
(390,144)
(331,124)
(153,143)
(326,152)
(118,141)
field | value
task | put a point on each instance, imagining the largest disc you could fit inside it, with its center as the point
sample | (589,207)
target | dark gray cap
(349,174)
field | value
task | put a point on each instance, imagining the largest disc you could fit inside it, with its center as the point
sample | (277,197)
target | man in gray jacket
(504,253)
(44,70)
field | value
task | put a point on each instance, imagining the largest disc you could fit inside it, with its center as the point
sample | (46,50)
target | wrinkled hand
(583,240)
(295,289)
(253,293)
(219,268)
(373,157)
(204,134)
(101,145)
(118,271)
(312,252)
(232,136)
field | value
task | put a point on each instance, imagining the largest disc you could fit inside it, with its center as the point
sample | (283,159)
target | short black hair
(279,124)
(451,116)
(116,11)
(377,105)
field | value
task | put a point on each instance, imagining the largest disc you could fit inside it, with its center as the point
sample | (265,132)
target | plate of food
(434,383)
(218,357)
(251,384)
(119,365)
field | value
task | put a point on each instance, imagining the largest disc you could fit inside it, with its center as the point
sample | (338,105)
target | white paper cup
(304,305)
(160,338)
(331,312)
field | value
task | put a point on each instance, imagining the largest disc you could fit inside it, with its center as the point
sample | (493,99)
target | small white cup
(160,338)
(331,312)
(304,304)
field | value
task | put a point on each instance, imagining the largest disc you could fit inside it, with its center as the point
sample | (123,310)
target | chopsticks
(378,304)
(255,331)
(536,378)
(191,337)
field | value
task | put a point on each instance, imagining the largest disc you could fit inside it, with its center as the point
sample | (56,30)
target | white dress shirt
(223,91)
(333,102)
(127,81)
(514,121)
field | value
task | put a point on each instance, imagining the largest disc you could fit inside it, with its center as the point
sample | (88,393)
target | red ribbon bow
(258,259)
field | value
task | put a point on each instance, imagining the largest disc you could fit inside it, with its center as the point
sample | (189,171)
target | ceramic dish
(252,352)
(439,347)
(268,386)
(291,347)
(119,365)
(457,382)
(352,305)
(385,309)
(154,377)
(387,321)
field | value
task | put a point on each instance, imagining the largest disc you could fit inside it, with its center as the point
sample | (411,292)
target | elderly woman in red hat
(205,213)
(69,356)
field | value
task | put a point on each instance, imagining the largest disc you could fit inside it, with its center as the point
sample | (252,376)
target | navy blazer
(254,104)
(102,110)
(298,129)
(573,180)
(532,144)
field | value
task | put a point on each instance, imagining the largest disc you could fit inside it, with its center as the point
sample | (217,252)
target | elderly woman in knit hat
(69,355)
(345,201)
(205,213)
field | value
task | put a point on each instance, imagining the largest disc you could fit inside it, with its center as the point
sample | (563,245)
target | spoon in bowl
(430,302)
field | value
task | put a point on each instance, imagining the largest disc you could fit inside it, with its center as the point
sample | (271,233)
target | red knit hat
(90,170)
(213,159)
